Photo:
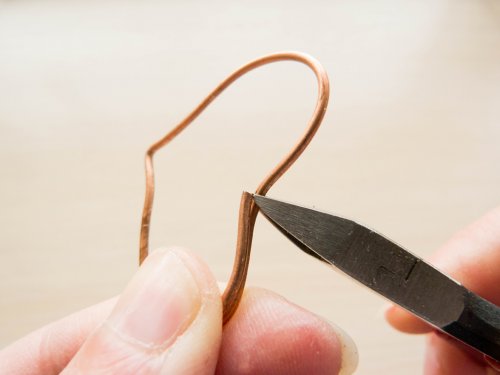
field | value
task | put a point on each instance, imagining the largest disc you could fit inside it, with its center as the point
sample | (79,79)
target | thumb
(168,320)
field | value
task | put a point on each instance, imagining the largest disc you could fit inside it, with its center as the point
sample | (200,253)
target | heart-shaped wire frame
(248,209)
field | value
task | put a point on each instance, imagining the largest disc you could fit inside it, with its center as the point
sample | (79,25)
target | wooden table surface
(409,146)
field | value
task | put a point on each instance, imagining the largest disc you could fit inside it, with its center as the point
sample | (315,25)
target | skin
(168,320)
(471,256)
(267,334)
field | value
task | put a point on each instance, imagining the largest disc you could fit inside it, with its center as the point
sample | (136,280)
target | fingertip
(172,304)
(447,356)
(404,321)
(282,338)
(349,350)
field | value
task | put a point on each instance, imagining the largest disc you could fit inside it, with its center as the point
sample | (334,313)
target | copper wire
(248,209)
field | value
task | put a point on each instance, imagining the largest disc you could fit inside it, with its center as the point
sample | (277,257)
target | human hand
(472,257)
(169,321)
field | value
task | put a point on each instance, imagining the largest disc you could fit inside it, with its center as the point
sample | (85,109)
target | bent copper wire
(248,209)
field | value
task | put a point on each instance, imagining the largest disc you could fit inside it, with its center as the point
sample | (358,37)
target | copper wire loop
(248,209)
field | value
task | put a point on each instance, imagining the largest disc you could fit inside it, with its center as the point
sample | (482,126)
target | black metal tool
(391,271)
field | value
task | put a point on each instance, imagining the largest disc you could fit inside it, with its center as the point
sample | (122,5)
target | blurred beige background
(409,146)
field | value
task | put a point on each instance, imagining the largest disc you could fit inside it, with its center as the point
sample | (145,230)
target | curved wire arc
(248,209)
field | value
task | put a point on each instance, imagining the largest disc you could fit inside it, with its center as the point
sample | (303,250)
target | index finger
(471,256)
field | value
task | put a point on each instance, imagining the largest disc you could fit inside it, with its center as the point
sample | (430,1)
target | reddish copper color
(248,209)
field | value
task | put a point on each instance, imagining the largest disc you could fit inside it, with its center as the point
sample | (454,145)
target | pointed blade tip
(267,203)
(261,201)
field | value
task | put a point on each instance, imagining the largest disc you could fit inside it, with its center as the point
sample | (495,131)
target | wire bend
(248,209)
